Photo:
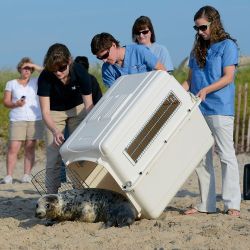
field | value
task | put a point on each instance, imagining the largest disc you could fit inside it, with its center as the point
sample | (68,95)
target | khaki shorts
(26,130)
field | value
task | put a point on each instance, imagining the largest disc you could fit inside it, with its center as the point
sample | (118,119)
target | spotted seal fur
(87,205)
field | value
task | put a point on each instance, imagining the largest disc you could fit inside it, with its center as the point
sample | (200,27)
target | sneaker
(7,180)
(26,179)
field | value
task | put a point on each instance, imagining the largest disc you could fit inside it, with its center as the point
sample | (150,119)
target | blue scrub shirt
(219,55)
(138,59)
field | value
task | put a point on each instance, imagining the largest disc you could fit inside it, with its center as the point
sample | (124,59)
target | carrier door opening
(91,175)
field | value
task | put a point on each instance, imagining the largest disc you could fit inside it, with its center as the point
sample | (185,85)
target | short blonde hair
(22,62)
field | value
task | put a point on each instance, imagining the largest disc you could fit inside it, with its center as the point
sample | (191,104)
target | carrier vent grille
(147,134)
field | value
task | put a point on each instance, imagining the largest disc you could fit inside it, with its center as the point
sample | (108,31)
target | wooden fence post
(244,118)
(238,119)
(248,135)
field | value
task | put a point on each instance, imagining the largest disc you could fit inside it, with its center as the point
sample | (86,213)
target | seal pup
(87,205)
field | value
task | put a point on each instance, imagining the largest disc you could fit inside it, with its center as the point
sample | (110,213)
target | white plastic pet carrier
(143,138)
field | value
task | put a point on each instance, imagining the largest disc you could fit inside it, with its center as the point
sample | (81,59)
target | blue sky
(29,27)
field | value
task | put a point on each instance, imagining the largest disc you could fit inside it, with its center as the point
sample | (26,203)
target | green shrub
(96,70)
(4,112)
(242,77)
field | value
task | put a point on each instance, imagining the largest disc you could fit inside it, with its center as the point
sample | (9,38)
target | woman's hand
(8,103)
(58,139)
(34,67)
(19,103)
(227,78)
(202,94)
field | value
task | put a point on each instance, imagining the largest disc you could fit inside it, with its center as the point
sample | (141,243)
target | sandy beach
(19,229)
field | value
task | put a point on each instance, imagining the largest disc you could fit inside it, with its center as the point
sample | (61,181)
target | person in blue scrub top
(213,61)
(143,33)
(118,61)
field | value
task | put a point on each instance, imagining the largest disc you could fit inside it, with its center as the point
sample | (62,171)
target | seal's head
(49,206)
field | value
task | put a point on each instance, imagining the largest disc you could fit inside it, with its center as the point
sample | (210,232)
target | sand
(19,229)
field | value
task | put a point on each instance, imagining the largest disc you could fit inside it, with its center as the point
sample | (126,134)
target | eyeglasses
(27,68)
(105,56)
(144,32)
(61,68)
(202,27)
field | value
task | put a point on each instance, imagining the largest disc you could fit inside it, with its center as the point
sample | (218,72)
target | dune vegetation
(242,77)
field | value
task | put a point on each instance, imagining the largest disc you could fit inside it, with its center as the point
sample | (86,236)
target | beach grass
(242,77)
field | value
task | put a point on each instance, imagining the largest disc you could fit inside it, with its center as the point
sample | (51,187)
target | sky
(29,27)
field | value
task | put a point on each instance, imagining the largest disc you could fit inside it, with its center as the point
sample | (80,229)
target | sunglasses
(27,68)
(61,68)
(105,56)
(202,27)
(144,32)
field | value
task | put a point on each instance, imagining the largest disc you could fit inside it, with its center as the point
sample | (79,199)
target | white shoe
(7,180)
(26,179)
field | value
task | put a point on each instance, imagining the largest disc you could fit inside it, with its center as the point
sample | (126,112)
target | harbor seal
(87,205)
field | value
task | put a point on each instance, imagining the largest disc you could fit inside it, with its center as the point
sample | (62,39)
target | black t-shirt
(96,90)
(64,97)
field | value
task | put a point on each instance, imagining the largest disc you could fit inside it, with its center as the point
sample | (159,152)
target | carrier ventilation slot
(147,134)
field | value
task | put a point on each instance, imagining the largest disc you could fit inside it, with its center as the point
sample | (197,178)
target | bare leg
(13,149)
(29,155)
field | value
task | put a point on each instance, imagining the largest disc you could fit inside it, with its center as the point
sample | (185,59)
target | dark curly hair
(217,34)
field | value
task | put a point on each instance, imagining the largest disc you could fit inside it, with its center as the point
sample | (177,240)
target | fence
(242,120)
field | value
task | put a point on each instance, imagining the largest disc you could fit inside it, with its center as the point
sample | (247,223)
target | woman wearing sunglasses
(64,89)
(26,125)
(212,63)
(143,33)
(118,61)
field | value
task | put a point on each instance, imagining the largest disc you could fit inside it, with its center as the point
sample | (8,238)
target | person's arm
(88,102)
(160,66)
(7,101)
(109,75)
(35,67)
(45,108)
(186,83)
(85,85)
(227,78)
